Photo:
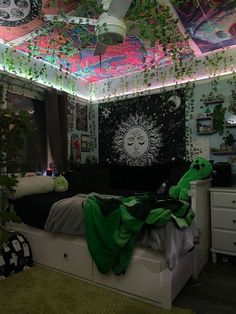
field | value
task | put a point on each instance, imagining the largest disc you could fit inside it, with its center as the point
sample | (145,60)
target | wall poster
(75,147)
(85,143)
(81,117)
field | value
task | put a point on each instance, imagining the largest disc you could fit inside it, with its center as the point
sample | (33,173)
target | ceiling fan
(110,27)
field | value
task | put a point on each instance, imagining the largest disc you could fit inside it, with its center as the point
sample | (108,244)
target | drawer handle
(234,243)
(65,255)
(233,202)
(234,221)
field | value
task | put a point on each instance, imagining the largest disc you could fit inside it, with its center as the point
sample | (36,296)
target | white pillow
(32,185)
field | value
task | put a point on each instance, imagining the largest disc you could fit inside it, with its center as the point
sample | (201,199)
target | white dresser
(223,221)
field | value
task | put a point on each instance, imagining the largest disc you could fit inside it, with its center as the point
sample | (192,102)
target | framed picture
(85,143)
(1,96)
(81,117)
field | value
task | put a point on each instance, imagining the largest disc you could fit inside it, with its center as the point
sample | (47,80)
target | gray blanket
(66,216)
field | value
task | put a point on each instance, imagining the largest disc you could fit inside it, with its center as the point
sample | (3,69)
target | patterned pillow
(15,255)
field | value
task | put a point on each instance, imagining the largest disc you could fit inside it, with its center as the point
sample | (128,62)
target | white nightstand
(223,221)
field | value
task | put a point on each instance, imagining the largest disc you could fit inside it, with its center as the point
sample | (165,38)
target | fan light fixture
(110,30)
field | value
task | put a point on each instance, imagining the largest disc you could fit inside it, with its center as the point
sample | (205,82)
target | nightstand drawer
(225,240)
(225,219)
(220,199)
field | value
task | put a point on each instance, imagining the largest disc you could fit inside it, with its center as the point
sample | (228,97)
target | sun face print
(137,141)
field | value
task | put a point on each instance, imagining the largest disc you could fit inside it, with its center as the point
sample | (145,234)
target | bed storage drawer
(69,254)
(145,276)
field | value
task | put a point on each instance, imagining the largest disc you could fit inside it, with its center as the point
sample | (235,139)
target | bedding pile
(114,225)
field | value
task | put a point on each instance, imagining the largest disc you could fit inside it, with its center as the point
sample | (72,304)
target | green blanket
(112,226)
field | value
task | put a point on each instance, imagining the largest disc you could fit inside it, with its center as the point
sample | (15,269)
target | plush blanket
(67,216)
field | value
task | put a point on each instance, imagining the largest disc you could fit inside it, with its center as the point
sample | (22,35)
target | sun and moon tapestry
(143,131)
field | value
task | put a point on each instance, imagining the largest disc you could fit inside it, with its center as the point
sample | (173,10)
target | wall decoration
(81,117)
(137,141)
(85,143)
(201,147)
(71,116)
(1,96)
(143,131)
(75,147)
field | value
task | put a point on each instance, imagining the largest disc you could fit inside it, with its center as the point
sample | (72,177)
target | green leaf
(7,181)
(4,236)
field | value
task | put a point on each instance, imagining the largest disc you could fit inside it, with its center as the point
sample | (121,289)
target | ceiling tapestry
(21,17)
(210,28)
(117,61)
(211,25)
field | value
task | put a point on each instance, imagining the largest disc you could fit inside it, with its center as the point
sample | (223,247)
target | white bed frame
(147,276)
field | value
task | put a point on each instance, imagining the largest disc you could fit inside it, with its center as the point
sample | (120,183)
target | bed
(148,276)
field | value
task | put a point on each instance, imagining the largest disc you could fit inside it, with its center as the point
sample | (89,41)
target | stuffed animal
(60,184)
(199,169)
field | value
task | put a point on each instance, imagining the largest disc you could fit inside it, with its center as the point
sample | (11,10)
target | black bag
(222,174)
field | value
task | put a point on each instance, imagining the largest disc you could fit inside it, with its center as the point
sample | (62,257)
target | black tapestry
(143,131)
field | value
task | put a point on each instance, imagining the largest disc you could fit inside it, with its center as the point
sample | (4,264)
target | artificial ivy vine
(156,25)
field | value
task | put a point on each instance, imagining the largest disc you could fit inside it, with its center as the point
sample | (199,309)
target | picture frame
(81,123)
(85,143)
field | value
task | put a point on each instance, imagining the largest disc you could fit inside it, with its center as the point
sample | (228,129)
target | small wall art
(85,143)
(81,117)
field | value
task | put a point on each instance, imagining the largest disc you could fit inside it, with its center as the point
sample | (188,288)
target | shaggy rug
(39,290)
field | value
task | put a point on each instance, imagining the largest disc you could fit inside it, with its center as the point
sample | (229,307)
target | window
(33,155)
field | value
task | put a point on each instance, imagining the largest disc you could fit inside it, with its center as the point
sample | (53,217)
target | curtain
(40,119)
(56,119)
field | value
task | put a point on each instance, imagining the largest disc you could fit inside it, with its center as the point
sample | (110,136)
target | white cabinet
(223,221)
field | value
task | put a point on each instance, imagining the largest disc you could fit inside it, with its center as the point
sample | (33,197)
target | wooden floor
(214,292)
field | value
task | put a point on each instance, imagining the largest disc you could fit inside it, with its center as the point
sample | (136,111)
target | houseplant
(13,129)
(229,141)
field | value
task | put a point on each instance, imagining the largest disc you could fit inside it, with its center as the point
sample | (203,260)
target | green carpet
(42,291)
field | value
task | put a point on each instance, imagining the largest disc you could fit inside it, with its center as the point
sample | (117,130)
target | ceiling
(211,28)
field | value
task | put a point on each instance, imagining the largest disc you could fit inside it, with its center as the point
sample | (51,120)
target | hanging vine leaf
(219,118)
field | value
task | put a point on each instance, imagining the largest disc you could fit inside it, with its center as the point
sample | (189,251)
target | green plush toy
(199,169)
(60,184)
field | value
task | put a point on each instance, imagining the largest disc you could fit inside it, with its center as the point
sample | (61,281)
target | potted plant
(212,98)
(229,141)
(13,128)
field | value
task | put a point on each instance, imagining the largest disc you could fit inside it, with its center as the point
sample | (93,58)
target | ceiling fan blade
(119,8)
(100,49)
(70,19)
